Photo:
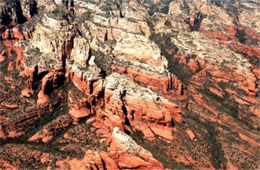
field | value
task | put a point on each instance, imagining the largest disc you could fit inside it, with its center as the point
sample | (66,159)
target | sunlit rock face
(132,84)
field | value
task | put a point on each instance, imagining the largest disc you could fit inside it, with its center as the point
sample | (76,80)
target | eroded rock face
(123,153)
(129,85)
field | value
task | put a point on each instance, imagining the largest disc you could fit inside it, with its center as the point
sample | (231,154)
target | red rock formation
(72,85)
(49,83)
(14,33)
(120,108)
(166,84)
(124,153)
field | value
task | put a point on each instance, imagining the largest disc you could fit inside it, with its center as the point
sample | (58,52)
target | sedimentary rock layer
(129,84)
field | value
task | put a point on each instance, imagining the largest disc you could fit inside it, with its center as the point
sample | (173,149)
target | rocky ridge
(82,77)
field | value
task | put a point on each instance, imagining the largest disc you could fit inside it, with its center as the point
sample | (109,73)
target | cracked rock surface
(129,84)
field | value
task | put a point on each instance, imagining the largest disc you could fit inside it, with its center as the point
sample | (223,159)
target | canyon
(129,84)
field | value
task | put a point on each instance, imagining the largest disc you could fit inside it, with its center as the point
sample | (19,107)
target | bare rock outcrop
(124,153)
(129,84)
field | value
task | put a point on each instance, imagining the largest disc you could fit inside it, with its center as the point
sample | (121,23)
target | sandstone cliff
(131,84)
